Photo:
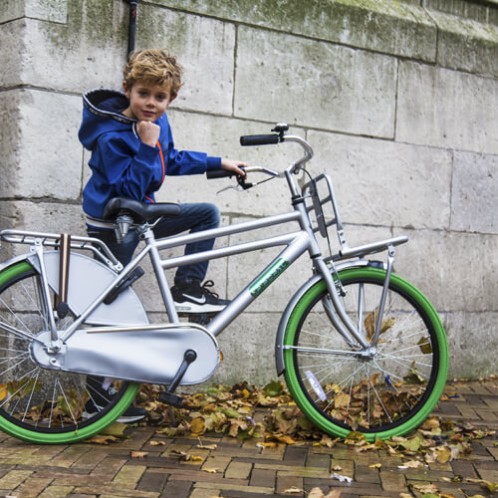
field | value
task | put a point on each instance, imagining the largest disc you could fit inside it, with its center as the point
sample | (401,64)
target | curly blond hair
(155,66)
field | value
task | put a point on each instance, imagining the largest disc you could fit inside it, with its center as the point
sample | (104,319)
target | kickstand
(168,396)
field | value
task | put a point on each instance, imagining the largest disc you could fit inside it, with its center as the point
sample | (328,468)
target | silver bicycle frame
(295,245)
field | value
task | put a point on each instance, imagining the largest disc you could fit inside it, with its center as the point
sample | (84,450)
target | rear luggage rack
(98,248)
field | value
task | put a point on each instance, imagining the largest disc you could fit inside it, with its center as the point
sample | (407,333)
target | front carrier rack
(321,204)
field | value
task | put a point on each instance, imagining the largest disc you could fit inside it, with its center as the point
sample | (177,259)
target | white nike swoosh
(199,300)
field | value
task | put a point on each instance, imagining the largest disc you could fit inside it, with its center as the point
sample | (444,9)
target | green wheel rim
(294,385)
(76,435)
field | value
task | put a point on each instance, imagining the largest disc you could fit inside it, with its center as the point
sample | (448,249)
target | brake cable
(243,185)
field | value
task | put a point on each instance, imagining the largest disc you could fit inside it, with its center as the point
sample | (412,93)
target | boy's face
(148,102)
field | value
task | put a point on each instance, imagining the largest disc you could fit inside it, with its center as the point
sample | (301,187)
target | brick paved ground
(243,470)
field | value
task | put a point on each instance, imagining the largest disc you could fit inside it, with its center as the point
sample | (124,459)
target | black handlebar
(221,173)
(276,137)
(248,140)
(218,173)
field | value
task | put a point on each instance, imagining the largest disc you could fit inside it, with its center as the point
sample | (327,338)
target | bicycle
(360,348)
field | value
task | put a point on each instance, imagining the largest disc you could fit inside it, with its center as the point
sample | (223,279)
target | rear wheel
(41,405)
(383,392)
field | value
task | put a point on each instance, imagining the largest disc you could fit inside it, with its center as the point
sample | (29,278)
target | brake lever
(241,185)
(239,188)
(228,188)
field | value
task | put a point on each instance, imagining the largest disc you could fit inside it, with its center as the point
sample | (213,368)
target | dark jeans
(193,217)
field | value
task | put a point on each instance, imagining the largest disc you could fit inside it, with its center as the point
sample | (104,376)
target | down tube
(285,259)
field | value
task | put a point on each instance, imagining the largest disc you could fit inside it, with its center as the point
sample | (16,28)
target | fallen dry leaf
(157,443)
(425,488)
(197,425)
(187,457)
(411,464)
(102,439)
(490,486)
(116,429)
(335,493)
(327,441)
(284,439)
(293,491)
(443,454)
(231,411)
(316,493)
(206,446)
(138,454)
(267,444)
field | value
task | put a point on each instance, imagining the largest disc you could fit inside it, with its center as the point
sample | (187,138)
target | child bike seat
(139,211)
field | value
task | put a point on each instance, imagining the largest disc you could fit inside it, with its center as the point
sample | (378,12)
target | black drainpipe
(132,27)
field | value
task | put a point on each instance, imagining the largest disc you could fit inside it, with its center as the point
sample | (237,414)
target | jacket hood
(102,112)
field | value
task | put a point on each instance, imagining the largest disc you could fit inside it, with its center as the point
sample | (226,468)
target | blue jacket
(123,166)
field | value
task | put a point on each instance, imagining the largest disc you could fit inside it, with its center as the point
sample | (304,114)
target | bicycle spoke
(9,329)
(17,365)
(361,306)
(402,360)
(30,397)
(20,389)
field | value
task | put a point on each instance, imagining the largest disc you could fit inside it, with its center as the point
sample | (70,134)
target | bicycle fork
(336,312)
(333,310)
(383,297)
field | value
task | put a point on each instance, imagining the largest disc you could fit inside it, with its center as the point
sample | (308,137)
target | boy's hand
(235,166)
(148,132)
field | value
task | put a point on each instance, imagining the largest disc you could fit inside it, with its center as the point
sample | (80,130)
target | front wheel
(383,392)
(41,405)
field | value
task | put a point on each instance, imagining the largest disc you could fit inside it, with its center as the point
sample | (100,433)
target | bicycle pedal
(171,399)
(201,318)
(127,282)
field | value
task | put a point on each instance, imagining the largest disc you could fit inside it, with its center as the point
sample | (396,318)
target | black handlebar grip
(259,139)
(218,173)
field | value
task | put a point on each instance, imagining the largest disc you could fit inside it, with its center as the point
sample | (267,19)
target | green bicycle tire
(18,425)
(305,397)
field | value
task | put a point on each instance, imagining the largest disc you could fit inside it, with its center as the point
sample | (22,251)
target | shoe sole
(130,420)
(123,419)
(197,308)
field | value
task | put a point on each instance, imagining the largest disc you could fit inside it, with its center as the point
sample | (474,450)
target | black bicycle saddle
(139,211)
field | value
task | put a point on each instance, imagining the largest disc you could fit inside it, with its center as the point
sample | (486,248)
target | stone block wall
(398,98)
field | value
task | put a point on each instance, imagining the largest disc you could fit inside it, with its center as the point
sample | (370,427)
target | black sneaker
(197,298)
(131,415)
(101,393)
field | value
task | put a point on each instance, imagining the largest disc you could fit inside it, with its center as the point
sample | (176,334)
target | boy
(132,150)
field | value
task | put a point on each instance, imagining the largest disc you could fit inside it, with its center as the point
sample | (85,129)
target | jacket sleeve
(184,162)
(129,173)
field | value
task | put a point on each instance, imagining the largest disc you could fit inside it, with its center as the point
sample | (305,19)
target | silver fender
(14,260)
(87,279)
(284,320)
